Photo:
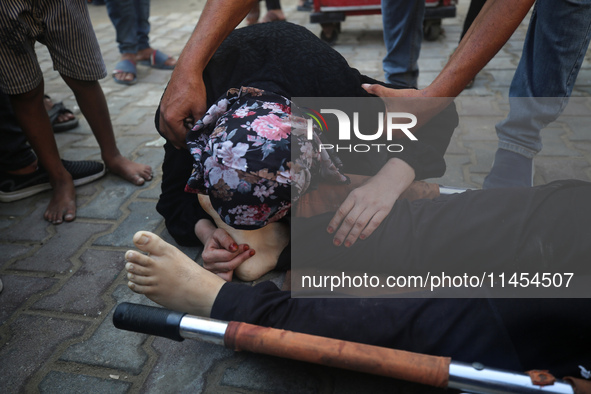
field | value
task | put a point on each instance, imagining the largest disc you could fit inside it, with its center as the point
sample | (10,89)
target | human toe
(150,243)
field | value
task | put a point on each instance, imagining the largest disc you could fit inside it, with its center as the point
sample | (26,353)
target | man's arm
(184,100)
(493,27)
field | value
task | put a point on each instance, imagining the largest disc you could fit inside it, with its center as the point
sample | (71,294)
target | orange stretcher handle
(398,364)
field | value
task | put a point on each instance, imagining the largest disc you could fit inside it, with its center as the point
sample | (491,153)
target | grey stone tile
(54,255)
(10,251)
(183,367)
(66,382)
(31,227)
(33,340)
(110,347)
(143,216)
(82,293)
(17,290)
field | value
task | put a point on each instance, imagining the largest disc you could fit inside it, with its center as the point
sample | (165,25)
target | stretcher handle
(148,320)
(398,364)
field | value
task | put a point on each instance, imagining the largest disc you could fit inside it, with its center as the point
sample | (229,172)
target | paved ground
(61,283)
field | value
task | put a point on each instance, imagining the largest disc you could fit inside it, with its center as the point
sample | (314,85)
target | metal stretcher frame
(419,368)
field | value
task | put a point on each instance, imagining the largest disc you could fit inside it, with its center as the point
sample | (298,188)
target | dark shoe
(17,187)
(510,169)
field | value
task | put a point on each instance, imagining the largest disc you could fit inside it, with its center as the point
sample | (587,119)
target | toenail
(129,267)
(143,240)
(129,255)
(129,276)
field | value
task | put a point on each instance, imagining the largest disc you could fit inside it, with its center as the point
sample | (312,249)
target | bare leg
(30,111)
(169,277)
(93,105)
(268,242)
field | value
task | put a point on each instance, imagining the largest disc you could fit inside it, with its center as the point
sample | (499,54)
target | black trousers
(15,152)
(496,228)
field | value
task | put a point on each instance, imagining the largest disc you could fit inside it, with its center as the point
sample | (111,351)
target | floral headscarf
(243,159)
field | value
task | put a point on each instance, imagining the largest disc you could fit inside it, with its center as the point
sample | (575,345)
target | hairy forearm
(218,19)
(493,27)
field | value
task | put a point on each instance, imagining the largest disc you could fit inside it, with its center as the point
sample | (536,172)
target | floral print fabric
(243,158)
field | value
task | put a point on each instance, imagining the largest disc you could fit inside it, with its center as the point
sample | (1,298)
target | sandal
(54,112)
(157,60)
(125,66)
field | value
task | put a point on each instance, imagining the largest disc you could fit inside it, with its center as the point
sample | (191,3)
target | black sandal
(57,110)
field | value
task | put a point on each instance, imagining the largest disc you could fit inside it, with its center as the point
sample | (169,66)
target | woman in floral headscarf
(289,61)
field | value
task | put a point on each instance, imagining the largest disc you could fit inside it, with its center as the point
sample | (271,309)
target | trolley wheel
(330,32)
(432,29)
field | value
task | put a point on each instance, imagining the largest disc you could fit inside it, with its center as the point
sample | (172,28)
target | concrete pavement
(61,283)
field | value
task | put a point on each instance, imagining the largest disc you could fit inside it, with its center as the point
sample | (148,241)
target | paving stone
(554,144)
(110,347)
(33,339)
(265,374)
(17,290)
(31,227)
(107,204)
(55,254)
(82,293)
(479,128)
(69,383)
(555,168)
(146,127)
(143,216)
(8,252)
(182,367)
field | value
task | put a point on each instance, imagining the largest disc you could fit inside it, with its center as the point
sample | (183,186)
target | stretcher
(414,367)
(330,13)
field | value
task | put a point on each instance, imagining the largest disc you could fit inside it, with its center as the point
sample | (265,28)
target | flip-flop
(54,112)
(157,60)
(125,66)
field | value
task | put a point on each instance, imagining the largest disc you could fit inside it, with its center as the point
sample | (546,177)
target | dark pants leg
(514,334)
(513,229)
(473,11)
(15,152)
(503,230)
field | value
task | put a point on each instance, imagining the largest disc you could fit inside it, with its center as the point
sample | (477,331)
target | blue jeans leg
(143,24)
(403,36)
(130,19)
(554,48)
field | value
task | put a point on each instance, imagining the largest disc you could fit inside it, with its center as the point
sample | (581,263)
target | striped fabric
(64,26)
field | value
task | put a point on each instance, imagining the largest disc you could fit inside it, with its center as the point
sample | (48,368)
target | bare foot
(273,16)
(169,277)
(131,171)
(253,16)
(62,205)
(145,54)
